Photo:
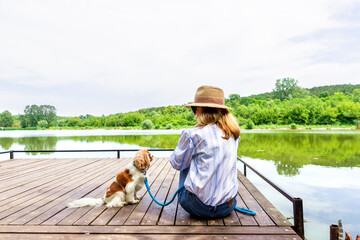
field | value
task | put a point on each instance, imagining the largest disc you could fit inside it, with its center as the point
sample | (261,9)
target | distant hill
(331,89)
(316,91)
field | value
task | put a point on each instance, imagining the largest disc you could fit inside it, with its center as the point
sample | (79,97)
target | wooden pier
(34,193)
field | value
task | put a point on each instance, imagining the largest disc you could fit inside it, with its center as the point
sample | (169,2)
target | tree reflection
(291,151)
(6,143)
(38,143)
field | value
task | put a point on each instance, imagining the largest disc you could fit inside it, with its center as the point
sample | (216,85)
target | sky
(105,57)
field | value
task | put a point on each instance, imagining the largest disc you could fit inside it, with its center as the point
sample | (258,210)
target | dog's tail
(82,202)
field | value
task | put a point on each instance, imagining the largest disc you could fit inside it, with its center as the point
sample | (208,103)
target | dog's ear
(149,155)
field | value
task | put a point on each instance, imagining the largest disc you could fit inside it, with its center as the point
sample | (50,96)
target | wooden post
(244,170)
(298,217)
(341,230)
(118,154)
(334,232)
(11,154)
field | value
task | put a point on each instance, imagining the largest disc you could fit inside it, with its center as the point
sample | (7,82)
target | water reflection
(289,151)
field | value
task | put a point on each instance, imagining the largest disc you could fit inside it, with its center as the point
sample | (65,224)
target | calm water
(321,167)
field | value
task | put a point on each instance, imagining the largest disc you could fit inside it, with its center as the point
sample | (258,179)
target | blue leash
(242,210)
(161,204)
(246,211)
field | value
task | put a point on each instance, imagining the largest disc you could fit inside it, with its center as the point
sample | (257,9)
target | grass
(301,127)
(274,127)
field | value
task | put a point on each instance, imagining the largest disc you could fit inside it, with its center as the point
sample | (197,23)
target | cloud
(103,57)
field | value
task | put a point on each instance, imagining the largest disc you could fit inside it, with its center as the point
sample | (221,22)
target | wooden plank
(152,215)
(168,214)
(30,185)
(271,211)
(44,189)
(246,220)
(182,217)
(261,217)
(97,193)
(14,163)
(121,216)
(74,216)
(7,167)
(182,230)
(59,204)
(106,214)
(140,210)
(146,236)
(26,179)
(32,170)
(215,222)
(232,220)
(50,209)
(49,201)
(42,193)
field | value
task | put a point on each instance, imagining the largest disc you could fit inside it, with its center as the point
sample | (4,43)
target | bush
(74,122)
(357,123)
(131,120)
(147,124)
(42,124)
(249,124)
(169,126)
(293,126)
(6,119)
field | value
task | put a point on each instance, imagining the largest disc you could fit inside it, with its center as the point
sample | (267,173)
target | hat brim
(209,105)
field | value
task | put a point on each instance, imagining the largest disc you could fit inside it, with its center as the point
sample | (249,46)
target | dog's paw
(109,205)
(138,197)
(134,201)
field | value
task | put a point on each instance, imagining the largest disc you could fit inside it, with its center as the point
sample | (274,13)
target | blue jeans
(193,205)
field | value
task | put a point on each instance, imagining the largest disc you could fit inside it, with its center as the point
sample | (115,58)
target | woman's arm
(180,159)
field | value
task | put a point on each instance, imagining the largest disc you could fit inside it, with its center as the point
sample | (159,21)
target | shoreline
(310,127)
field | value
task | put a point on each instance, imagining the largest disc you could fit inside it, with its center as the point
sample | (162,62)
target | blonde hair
(222,118)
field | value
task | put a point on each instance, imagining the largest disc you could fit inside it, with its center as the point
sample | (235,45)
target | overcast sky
(105,57)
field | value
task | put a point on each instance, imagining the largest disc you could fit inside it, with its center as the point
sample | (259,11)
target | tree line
(286,104)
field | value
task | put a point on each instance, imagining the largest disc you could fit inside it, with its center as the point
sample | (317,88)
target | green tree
(147,124)
(356,95)
(249,124)
(324,94)
(131,119)
(34,114)
(112,121)
(74,122)
(42,124)
(285,88)
(6,119)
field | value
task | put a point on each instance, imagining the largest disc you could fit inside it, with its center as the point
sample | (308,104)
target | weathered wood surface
(34,193)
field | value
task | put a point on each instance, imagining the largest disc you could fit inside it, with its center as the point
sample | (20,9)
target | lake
(320,166)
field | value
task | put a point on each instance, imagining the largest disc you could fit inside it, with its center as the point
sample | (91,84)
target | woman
(206,157)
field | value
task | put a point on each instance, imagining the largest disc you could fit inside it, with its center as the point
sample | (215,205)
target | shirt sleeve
(180,159)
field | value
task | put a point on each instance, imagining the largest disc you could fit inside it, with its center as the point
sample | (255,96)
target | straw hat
(209,96)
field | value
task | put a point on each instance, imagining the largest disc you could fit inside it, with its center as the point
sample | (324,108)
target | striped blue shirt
(212,160)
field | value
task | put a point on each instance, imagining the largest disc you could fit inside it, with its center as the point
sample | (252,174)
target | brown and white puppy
(123,190)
